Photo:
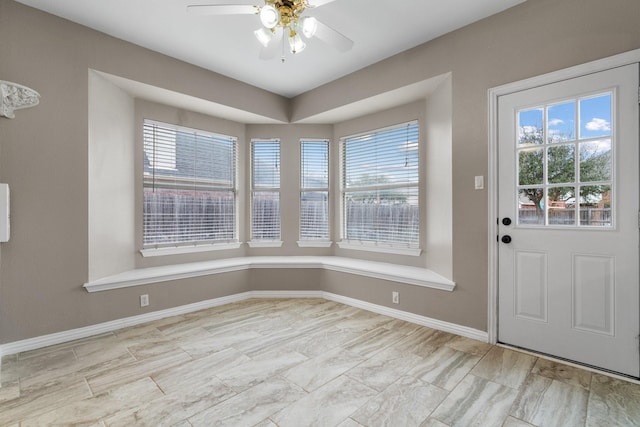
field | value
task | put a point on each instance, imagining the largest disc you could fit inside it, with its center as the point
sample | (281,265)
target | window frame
(315,242)
(198,245)
(264,243)
(400,248)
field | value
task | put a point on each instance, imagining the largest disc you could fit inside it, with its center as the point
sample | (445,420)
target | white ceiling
(226,44)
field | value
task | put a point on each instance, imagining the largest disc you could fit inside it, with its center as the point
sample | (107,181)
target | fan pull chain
(283,41)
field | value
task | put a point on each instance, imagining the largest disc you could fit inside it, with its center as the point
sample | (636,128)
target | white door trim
(494,93)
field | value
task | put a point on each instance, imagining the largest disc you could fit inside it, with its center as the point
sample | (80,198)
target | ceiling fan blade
(317,3)
(274,46)
(222,9)
(333,37)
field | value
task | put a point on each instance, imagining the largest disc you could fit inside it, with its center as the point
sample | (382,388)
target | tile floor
(301,362)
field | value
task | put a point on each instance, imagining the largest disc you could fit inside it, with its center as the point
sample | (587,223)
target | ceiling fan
(280,17)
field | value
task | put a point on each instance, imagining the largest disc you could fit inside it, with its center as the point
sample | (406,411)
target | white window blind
(265,190)
(380,186)
(189,186)
(314,190)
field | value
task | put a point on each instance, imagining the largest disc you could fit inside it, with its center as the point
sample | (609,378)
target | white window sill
(380,270)
(265,243)
(314,243)
(379,248)
(177,250)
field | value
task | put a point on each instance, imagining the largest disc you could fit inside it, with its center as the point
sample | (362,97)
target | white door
(568,220)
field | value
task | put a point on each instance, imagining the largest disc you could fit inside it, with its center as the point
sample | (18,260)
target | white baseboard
(101,328)
(453,328)
(74,334)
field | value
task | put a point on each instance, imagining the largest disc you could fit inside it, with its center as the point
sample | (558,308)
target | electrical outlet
(395,297)
(144,300)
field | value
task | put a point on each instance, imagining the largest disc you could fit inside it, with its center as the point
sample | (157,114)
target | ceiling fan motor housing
(290,10)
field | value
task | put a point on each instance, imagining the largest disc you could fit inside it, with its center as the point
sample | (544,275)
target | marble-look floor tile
(64,346)
(47,365)
(514,422)
(251,406)
(327,406)
(111,358)
(260,368)
(407,403)
(9,372)
(184,325)
(435,337)
(126,373)
(563,373)
(372,342)
(467,345)
(267,343)
(402,327)
(476,402)
(318,371)
(387,372)
(175,407)
(92,410)
(313,325)
(444,367)
(266,423)
(152,348)
(547,402)
(9,391)
(199,372)
(505,366)
(198,342)
(349,422)
(613,402)
(384,369)
(96,349)
(43,400)
(416,343)
(432,422)
(314,344)
(363,321)
(252,323)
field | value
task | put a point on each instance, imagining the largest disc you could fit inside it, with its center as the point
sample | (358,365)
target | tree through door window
(565,169)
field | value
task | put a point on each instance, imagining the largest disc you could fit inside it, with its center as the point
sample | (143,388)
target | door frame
(492,178)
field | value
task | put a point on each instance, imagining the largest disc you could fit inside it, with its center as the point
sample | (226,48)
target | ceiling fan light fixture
(270,16)
(296,44)
(264,36)
(309,26)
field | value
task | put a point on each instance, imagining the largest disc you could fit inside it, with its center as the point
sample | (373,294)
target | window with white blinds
(379,185)
(265,190)
(314,190)
(189,186)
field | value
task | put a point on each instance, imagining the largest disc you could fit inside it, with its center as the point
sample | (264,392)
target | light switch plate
(479,182)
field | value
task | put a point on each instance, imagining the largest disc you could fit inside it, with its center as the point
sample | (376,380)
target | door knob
(506,221)
(506,239)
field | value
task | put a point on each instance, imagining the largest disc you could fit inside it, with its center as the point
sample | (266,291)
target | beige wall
(44,152)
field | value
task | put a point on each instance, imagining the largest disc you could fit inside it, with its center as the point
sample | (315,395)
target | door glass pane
(561,122)
(595,117)
(530,129)
(595,161)
(561,205)
(563,148)
(531,166)
(595,205)
(531,206)
(561,164)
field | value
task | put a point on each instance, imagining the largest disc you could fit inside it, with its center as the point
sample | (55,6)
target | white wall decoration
(14,97)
